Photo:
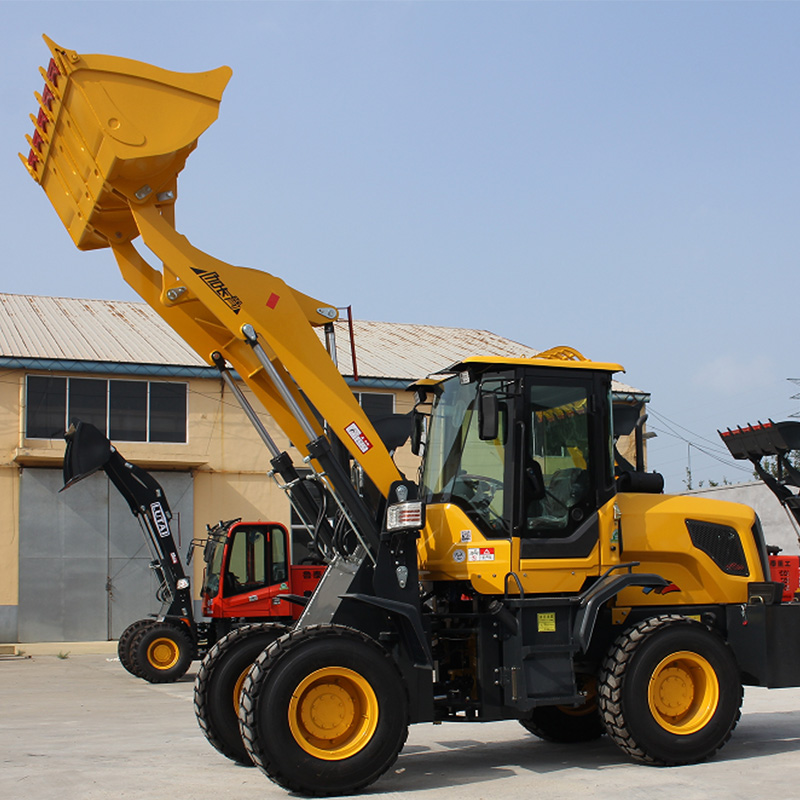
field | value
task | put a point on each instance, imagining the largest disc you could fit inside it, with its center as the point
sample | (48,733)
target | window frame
(66,408)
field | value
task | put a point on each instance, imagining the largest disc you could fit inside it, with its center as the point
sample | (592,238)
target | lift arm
(88,451)
(110,139)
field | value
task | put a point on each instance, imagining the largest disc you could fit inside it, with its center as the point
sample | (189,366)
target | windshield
(459,467)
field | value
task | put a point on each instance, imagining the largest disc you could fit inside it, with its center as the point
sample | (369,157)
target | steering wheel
(493,485)
(484,489)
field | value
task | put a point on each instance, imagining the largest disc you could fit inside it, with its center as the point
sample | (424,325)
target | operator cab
(524,448)
(243,558)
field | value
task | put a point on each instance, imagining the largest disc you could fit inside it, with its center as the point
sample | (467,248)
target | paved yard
(82,728)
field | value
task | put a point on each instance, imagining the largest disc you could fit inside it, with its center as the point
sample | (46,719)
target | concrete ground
(81,727)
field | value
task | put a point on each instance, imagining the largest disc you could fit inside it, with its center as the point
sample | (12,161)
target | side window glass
(280,567)
(559,443)
(235,576)
(249,560)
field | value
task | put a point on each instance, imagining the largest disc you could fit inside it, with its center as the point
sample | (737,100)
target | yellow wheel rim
(683,693)
(237,688)
(333,713)
(163,653)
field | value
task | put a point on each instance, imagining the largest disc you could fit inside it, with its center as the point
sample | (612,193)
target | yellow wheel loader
(527,575)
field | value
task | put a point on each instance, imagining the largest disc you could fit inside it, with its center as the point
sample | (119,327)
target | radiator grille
(721,543)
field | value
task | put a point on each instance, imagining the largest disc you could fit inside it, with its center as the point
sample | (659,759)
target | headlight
(405,516)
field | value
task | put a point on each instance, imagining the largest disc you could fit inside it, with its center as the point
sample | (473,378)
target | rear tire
(163,652)
(670,692)
(567,724)
(126,644)
(219,682)
(324,711)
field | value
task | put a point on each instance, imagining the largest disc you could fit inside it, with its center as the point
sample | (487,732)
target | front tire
(670,691)
(163,652)
(324,711)
(219,684)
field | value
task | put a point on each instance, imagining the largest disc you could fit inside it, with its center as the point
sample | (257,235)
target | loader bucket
(112,132)
(88,451)
(764,439)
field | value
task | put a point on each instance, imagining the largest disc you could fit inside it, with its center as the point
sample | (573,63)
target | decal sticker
(174,557)
(284,587)
(357,435)
(160,519)
(466,537)
(459,556)
(215,283)
(480,554)
(273,300)
(546,622)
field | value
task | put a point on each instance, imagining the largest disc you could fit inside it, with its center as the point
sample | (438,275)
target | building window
(376,405)
(129,411)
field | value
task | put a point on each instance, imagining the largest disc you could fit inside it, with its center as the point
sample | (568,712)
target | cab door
(256,571)
(565,479)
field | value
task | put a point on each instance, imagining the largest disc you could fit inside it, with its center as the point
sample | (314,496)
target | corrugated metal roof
(64,328)
(400,350)
(125,332)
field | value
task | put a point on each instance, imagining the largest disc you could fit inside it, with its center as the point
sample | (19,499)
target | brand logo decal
(160,519)
(215,283)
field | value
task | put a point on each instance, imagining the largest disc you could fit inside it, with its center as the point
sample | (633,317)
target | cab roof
(558,357)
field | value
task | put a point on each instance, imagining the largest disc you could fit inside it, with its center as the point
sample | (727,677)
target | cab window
(257,558)
(559,444)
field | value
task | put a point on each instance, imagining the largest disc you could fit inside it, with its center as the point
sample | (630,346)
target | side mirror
(488,417)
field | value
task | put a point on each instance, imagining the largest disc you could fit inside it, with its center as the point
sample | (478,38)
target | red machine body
(249,573)
(786,570)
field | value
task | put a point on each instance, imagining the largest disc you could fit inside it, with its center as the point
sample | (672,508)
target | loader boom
(88,451)
(110,139)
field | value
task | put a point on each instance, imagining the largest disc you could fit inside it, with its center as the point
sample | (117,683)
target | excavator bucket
(112,132)
(765,439)
(88,451)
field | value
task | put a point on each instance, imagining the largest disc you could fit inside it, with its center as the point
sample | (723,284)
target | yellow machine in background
(531,574)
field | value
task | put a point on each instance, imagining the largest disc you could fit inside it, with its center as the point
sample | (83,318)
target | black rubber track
(125,645)
(263,717)
(622,691)
(215,681)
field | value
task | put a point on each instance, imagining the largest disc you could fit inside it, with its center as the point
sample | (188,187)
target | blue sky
(620,177)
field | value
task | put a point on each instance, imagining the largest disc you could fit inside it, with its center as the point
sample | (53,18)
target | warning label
(357,435)
(546,622)
(480,554)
